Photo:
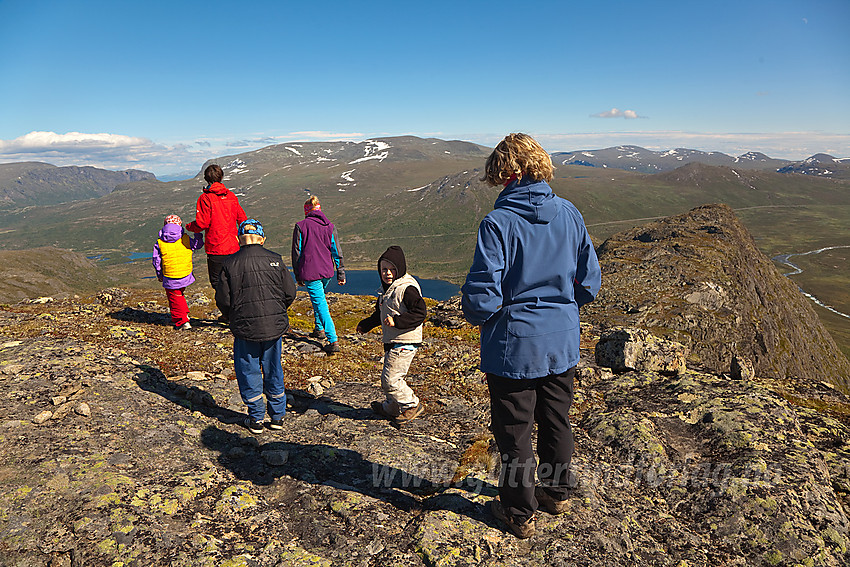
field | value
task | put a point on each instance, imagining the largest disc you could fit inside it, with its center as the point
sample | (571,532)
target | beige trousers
(399,395)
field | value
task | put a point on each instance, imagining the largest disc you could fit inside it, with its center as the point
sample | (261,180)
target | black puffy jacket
(257,288)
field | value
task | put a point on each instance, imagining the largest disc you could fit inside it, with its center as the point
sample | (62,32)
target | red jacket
(219,214)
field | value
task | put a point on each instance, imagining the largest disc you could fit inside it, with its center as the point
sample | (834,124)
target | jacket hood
(532,200)
(318,216)
(216,188)
(395,255)
(170,233)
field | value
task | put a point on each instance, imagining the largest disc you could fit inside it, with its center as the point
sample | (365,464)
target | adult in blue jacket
(534,266)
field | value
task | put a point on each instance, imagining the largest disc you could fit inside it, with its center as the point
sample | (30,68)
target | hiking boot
(523,530)
(547,502)
(254,427)
(410,413)
(318,334)
(378,408)
(331,348)
(185,326)
(276,424)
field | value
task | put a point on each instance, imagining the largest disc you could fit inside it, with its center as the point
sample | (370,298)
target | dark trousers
(515,405)
(214,264)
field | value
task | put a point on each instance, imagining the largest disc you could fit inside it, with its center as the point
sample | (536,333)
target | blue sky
(164,86)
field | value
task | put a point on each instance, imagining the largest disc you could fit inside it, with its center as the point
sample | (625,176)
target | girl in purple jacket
(172,260)
(316,256)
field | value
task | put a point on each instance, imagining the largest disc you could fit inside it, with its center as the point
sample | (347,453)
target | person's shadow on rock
(151,379)
(130,315)
(342,469)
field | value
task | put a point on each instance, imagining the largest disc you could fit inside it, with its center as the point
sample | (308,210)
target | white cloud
(309,135)
(616,113)
(107,151)
(72,142)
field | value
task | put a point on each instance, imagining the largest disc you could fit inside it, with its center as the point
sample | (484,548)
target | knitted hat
(394,255)
(251,226)
(173,219)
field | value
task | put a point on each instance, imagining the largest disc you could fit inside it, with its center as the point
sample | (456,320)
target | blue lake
(367,282)
(358,282)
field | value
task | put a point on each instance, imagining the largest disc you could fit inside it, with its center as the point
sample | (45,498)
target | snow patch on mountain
(235,167)
(374,149)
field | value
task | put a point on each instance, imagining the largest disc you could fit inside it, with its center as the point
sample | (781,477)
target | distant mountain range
(36,183)
(396,190)
(641,160)
(820,164)
(427,196)
(25,184)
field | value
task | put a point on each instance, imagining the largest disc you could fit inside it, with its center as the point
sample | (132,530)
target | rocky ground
(120,445)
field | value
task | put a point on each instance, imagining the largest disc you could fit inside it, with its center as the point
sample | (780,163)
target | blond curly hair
(518,154)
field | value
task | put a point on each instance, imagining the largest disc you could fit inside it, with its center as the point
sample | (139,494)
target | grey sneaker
(254,427)
(523,530)
(547,502)
(185,326)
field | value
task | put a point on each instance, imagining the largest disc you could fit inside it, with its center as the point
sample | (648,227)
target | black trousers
(214,264)
(515,404)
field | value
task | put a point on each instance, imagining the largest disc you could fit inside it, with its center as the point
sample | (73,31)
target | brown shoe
(411,413)
(331,348)
(548,504)
(522,530)
(378,408)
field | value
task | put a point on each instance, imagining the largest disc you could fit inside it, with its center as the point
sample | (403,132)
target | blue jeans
(321,313)
(258,372)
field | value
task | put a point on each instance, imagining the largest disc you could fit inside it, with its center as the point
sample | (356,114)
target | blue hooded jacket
(534,266)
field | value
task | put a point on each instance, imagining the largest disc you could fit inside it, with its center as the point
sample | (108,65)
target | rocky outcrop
(698,279)
(47,272)
(121,444)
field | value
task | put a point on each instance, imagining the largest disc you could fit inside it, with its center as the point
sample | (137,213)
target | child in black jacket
(257,288)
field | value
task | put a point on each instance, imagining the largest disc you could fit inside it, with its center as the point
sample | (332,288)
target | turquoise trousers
(321,313)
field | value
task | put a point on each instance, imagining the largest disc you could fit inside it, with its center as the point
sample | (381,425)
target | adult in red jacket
(219,214)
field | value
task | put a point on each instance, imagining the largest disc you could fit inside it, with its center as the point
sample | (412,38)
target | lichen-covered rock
(672,468)
(741,368)
(637,349)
